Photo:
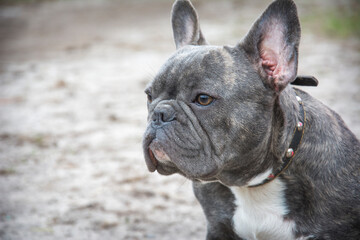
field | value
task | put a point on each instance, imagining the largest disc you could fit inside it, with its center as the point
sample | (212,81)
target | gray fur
(185,23)
(248,127)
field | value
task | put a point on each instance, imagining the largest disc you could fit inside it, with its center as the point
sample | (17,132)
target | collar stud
(290,153)
(299,99)
(299,126)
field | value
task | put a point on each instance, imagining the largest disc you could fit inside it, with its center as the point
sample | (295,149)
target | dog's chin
(157,159)
(163,163)
(169,169)
(166,169)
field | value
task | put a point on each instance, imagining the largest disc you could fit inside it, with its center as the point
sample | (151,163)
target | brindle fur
(247,129)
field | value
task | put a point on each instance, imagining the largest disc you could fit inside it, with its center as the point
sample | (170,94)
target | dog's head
(211,107)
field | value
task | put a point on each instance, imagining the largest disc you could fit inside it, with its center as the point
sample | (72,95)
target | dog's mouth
(160,157)
(157,160)
(153,159)
(150,158)
(151,162)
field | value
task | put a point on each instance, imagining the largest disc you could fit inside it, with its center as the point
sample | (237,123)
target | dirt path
(72,114)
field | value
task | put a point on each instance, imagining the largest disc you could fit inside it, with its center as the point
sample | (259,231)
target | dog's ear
(272,44)
(185,25)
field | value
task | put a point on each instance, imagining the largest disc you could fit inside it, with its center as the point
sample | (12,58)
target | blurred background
(73,111)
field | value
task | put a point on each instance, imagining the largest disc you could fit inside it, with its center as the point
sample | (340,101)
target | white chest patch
(259,212)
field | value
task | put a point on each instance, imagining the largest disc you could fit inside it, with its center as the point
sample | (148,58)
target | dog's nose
(163,114)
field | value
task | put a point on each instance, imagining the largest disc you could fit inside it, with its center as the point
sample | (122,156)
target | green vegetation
(341,23)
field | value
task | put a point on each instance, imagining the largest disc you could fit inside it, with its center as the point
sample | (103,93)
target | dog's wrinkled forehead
(193,67)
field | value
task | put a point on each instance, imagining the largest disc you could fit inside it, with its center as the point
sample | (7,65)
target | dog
(267,160)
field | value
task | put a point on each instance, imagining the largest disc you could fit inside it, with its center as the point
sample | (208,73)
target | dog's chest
(259,212)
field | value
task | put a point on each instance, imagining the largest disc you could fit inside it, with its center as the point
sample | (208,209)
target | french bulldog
(267,160)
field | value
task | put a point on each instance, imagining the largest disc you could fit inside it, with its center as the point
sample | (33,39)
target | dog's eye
(148,94)
(204,99)
(149,97)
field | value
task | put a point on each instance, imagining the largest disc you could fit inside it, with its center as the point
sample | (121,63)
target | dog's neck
(288,117)
(289,107)
(285,114)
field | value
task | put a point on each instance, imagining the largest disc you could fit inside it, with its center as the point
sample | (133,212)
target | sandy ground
(72,113)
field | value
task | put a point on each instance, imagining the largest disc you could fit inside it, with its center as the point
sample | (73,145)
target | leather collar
(293,147)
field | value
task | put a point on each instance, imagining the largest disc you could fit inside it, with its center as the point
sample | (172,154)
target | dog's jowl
(267,160)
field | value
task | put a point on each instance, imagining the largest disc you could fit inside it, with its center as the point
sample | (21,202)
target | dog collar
(310,81)
(295,142)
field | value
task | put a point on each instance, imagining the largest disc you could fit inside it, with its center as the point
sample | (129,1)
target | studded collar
(294,145)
